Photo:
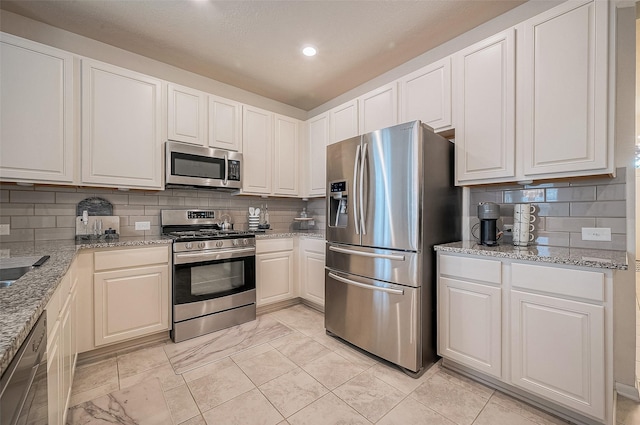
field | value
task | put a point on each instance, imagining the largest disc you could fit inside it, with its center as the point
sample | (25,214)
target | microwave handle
(226,170)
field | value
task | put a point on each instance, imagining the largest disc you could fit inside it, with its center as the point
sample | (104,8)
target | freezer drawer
(379,317)
(400,267)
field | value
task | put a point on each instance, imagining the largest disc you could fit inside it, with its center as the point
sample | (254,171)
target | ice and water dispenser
(338,216)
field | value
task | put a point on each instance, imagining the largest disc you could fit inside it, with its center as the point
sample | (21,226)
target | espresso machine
(488,213)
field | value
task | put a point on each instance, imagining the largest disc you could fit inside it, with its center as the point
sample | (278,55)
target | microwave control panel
(233,173)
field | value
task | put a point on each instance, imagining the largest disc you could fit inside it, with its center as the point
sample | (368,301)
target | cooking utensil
(257,211)
(252,211)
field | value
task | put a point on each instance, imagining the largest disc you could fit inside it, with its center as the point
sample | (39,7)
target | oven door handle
(194,257)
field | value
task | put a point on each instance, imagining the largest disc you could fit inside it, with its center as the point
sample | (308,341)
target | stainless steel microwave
(197,166)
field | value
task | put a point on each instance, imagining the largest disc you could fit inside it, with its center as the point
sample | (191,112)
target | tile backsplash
(42,212)
(562,209)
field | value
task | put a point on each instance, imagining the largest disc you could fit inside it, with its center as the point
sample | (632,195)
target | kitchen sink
(10,275)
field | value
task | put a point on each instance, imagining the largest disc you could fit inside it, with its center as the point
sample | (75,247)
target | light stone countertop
(596,258)
(22,303)
(272,234)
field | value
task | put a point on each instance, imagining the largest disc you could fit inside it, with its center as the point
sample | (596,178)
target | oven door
(212,281)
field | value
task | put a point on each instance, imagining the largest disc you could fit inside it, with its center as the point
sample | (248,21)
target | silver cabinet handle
(361,202)
(365,286)
(367,254)
(354,202)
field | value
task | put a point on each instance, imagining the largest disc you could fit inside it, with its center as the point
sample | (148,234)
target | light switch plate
(5,229)
(596,234)
(143,225)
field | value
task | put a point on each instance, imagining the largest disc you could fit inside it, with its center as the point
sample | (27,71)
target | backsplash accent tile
(563,208)
(49,212)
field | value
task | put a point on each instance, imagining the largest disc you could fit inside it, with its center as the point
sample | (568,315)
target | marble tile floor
(283,369)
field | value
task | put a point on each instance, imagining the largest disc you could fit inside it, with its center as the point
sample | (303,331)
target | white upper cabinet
(121,127)
(285,170)
(562,91)
(186,115)
(485,110)
(315,171)
(343,122)
(37,121)
(225,124)
(257,145)
(378,108)
(425,95)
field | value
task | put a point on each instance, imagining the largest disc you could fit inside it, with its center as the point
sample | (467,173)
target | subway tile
(115,198)
(18,235)
(172,201)
(546,185)
(598,209)
(5,219)
(569,224)
(128,210)
(33,222)
(15,186)
(553,239)
(56,188)
(66,221)
(16,209)
(130,231)
(567,194)
(153,231)
(560,209)
(55,209)
(153,219)
(71,198)
(153,210)
(476,197)
(617,225)
(18,196)
(196,202)
(612,192)
(185,193)
(523,196)
(4,195)
(143,200)
(54,234)
(617,243)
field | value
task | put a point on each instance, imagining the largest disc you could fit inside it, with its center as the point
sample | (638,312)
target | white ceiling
(256,45)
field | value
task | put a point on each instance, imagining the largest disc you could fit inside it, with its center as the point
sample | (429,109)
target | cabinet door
(315,164)
(274,277)
(557,349)
(469,318)
(286,152)
(312,270)
(425,95)
(343,122)
(66,355)
(378,109)
(121,127)
(257,144)
(186,115)
(130,303)
(36,124)
(55,397)
(563,109)
(485,111)
(225,124)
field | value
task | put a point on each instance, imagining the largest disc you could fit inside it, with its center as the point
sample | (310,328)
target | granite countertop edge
(583,257)
(22,303)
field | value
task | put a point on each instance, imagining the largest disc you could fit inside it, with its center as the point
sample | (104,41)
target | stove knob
(201,245)
(219,244)
(188,245)
(235,242)
(245,242)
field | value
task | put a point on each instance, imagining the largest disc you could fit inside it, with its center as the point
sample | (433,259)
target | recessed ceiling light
(309,51)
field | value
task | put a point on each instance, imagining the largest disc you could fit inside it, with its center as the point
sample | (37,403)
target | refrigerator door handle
(354,202)
(367,254)
(361,198)
(365,286)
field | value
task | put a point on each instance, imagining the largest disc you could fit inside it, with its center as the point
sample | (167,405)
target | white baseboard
(628,391)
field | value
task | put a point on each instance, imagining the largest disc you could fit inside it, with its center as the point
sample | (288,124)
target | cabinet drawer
(136,257)
(274,245)
(471,268)
(560,281)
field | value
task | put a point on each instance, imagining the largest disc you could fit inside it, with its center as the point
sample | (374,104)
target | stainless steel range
(214,284)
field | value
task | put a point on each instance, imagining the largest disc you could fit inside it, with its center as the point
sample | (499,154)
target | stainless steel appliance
(488,213)
(214,284)
(23,386)
(197,166)
(390,199)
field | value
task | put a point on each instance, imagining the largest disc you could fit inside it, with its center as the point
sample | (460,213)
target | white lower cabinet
(130,293)
(311,277)
(550,322)
(274,271)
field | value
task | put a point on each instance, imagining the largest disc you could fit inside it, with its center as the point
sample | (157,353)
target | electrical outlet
(507,228)
(596,234)
(143,225)
(5,229)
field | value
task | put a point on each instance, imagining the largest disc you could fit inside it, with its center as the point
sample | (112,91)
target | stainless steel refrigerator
(390,199)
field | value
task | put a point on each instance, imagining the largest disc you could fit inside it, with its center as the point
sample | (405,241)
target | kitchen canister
(523,227)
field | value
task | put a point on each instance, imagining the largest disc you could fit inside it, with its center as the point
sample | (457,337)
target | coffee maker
(488,213)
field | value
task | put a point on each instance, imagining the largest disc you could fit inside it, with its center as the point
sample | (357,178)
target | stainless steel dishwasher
(23,386)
